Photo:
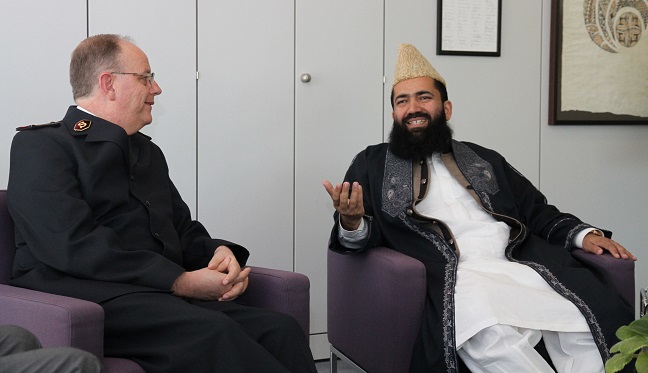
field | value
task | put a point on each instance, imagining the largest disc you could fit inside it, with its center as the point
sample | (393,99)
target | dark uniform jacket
(541,238)
(96,213)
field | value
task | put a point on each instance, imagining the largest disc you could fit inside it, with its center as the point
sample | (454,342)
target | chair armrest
(619,272)
(282,291)
(375,299)
(56,320)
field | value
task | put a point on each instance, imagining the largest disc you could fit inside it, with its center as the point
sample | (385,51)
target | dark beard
(422,142)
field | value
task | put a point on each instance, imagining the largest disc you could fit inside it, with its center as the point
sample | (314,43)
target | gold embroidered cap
(411,64)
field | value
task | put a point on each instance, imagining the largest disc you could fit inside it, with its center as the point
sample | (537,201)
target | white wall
(34,83)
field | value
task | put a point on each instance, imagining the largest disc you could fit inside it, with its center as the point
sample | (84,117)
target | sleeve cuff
(580,236)
(353,239)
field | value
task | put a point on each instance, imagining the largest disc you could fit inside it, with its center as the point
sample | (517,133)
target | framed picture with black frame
(598,70)
(469,27)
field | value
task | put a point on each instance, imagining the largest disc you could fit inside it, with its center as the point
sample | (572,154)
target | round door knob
(305,78)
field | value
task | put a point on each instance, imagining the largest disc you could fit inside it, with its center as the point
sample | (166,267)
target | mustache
(418,114)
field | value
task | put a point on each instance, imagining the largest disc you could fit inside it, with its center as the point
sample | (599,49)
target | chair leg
(337,354)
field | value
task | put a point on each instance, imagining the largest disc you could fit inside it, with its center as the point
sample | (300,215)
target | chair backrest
(7,240)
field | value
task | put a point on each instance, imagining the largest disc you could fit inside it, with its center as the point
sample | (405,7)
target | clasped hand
(349,206)
(222,279)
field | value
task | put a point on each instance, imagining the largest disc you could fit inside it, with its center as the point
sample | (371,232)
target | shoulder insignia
(37,126)
(82,125)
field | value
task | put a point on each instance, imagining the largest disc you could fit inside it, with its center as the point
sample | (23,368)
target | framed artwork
(599,62)
(469,27)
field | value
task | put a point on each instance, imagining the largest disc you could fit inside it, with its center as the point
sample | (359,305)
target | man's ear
(447,109)
(106,85)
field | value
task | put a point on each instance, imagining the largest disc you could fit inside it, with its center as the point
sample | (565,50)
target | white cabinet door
(245,126)
(166,31)
(36,39)
(337,113)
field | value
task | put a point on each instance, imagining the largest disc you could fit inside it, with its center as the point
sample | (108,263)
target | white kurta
(490,289)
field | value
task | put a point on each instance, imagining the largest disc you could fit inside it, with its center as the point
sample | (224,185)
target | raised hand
(349,206)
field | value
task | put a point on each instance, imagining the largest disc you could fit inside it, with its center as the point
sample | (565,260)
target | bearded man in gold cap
(496,254)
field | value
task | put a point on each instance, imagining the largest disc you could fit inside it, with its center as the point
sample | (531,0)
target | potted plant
(633,344)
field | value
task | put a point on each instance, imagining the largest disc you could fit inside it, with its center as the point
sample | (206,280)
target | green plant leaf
(617,362)
(642,363)
(625,332)
(630,345)
(640,326)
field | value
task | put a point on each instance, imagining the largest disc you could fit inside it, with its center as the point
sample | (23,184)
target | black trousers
(164,333)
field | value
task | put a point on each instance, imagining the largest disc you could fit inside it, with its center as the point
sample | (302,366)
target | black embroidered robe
(541,238)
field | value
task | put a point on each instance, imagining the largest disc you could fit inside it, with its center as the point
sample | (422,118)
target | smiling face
(134,95)
(420,117)
(417,102)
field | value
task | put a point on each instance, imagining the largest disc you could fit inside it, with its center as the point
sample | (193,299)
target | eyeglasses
(148,78)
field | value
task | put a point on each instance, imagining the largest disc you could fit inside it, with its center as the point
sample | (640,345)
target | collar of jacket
(100,130)
(450,162)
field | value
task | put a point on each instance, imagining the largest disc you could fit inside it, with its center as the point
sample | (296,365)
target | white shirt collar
(84,110)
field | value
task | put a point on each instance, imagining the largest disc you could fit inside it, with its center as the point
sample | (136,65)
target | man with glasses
(98,218)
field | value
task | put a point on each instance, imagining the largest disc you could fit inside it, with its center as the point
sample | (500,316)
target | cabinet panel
(34,70)
(245,131)
(338,113)
(166,31)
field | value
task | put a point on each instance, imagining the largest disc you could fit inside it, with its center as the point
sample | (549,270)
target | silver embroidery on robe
(397,196)
(560,288)
(479,173)
(397,185)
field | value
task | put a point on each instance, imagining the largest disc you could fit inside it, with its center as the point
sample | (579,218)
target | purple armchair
(373,320)
(62,321)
